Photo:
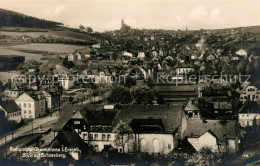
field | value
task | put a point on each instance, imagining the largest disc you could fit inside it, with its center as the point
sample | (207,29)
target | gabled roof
(221,129)
(170,115)
(9,106)
(190,106)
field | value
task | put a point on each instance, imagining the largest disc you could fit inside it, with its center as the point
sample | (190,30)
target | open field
(28,56)
(66,34)
(48,48)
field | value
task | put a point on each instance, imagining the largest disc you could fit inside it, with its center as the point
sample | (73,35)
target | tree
(67,63)
(124,134)
(89,30)
(119,94)
(142,94)
(81,27)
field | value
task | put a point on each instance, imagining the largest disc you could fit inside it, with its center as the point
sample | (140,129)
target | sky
(106,15)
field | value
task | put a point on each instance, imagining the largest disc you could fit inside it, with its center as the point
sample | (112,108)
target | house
(12,91)
(11,110)
(76,57)
(32,105)
(94,126)
(242,53)
(184,69)
(71,57)
(210,57)
(96,46)
(191,110)
(154,53)
(52,99)
(249,113)
(141,55)
(251,93)
(217,135)
(156,132)
(176,92)
(128,54)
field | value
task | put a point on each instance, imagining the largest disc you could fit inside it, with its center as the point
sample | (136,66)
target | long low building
(10,62)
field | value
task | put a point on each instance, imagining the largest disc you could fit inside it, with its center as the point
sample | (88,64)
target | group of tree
(89,30)
(139,94)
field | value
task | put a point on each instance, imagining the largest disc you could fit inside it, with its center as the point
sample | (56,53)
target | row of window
(249,97)
(27,111)
(10,93)
(93,137)
(14,114)
(25,105)
(251,90)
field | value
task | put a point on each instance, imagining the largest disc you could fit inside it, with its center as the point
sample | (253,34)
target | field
(46,48)
(36,51)
(66,34)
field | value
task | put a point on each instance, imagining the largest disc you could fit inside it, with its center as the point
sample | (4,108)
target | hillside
(14,19)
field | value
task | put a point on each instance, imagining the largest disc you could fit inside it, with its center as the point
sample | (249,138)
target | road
(44,122)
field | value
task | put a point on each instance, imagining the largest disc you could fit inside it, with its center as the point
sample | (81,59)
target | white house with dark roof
(242,53)
(32,105)
(11,110)
(250,92)
(217,135)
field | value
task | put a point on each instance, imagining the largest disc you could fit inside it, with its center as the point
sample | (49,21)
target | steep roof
(170,115)
(221,129)
(9,106)
(250,107)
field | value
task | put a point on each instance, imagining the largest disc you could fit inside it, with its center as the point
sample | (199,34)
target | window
(24,111)
(108,137)
(103,136)
(84,127)
(24,104)
(79,131)
(30,112)
(91,136)
(169,146)
(29,105)
(96,136)
(76,122)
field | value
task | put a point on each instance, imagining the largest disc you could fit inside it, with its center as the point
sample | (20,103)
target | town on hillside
(73,96)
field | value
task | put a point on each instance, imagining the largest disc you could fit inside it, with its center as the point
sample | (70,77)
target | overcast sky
(104,15)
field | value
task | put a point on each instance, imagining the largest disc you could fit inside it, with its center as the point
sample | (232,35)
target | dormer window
(76,122)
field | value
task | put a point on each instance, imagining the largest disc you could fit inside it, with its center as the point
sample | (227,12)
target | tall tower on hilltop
(124,27)
(122,23)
